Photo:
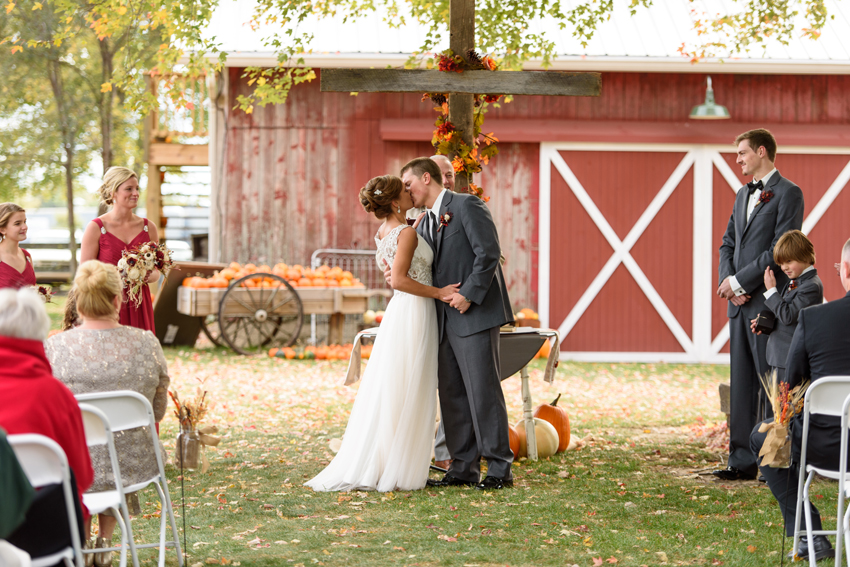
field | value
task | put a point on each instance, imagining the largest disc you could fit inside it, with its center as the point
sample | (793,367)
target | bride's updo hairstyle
(112,179)
(95,287)
(377,196)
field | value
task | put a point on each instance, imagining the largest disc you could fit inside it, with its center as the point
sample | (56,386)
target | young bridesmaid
(16,268)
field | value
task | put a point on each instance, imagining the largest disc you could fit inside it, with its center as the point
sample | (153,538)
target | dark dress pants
(823,450)
(748,363)
(473,405)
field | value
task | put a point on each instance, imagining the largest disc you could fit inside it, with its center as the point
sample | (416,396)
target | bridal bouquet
(45,292)
(786,403)
(138,262)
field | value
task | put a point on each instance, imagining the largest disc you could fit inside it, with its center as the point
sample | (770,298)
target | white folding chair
(98,432)
(126,409)
(44,462)
(826,396)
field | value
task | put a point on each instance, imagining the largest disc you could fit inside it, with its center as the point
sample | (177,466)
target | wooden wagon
(269,313)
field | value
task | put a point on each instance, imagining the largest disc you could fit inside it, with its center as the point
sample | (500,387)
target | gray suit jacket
(467,250)
(786,305)
(747,248)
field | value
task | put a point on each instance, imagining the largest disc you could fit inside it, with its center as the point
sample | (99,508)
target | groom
(462,234)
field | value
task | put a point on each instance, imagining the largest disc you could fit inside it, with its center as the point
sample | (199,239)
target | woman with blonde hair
(107,236)
(16,268)
(100,355)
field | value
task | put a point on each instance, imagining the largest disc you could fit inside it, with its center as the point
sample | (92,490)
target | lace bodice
(423,256)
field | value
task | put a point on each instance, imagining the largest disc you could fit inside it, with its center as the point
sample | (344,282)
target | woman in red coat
(15,263)
(36,402)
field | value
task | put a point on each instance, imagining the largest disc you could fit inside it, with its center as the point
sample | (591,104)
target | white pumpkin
(546,435)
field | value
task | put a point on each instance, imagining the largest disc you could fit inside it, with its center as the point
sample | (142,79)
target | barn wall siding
(292,172)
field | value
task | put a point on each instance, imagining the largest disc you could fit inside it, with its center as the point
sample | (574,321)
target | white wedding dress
(390,433)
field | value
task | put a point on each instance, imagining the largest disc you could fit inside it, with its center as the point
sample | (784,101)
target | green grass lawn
(636,494)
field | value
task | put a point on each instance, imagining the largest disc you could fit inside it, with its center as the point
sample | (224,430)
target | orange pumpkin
(304,282)
(559,419)
(320,282)
(513,439)
(544,350)
(331,283)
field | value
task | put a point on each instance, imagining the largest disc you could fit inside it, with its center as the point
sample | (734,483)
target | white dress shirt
(435,210)
(773,290)
(751,205)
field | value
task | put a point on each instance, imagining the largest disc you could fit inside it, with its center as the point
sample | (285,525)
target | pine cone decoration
(474,59)
(439,99)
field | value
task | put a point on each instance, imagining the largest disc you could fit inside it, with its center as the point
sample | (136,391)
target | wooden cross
(461,86)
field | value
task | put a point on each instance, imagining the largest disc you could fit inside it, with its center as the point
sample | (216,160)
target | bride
(387,443)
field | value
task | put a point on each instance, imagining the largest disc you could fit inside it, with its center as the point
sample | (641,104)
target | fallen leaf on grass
(597,561)
(446,538)
(751,548)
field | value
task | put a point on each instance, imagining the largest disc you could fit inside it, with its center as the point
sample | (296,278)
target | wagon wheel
(209,325)
(252,318)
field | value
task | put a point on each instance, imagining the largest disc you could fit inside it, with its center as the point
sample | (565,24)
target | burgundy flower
(131,261)
(445,218)
(765,197)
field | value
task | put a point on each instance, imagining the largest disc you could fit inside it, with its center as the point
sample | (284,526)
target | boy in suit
(820,348)
(795,255)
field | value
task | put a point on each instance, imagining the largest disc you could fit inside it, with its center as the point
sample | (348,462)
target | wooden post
(153,198)
(461,107)
(528,417)
(335,328)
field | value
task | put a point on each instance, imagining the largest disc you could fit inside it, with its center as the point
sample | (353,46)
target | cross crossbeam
(551,83)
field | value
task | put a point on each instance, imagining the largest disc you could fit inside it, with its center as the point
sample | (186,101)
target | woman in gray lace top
(99,356)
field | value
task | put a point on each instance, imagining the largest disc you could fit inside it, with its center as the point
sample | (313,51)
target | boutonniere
(765,197)
(792,285)
(445,218)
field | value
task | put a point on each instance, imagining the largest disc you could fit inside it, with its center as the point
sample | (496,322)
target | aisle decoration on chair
(192,440)
(138,262)
(786,403)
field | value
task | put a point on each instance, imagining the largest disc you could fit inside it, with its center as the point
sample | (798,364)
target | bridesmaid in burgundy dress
(15,263)
(108,236)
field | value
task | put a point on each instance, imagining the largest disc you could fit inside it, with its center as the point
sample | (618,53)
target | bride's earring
(399,210)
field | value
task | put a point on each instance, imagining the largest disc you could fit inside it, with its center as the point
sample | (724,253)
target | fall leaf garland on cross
(447,140)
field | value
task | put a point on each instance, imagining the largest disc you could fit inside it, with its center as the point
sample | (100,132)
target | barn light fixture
(709,110)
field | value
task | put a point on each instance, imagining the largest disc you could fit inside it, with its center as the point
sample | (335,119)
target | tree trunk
(54,72)
(106,103)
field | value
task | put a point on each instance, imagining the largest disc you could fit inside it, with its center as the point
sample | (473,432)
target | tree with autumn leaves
(79,73)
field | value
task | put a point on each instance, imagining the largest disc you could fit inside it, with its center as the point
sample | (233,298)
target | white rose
(133,274)
(122,264)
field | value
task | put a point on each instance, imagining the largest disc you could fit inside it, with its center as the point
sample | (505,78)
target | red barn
(610,210)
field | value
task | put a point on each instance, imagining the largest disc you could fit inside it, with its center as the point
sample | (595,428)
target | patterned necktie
(434,228)
(752,187)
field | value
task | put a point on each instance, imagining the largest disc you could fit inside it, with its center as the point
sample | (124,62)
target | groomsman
(764,210)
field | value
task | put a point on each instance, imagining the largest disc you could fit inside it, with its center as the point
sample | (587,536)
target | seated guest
(33,401)
(795,255)
(100,355)
(820,347)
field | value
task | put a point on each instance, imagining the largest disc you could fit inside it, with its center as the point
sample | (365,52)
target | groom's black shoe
(449,480)
(823,549)
(493,483)
(732,473)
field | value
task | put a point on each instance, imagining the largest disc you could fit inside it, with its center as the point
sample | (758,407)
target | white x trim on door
(703,347)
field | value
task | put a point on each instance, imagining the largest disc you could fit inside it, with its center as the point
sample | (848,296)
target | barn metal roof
(649,41)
